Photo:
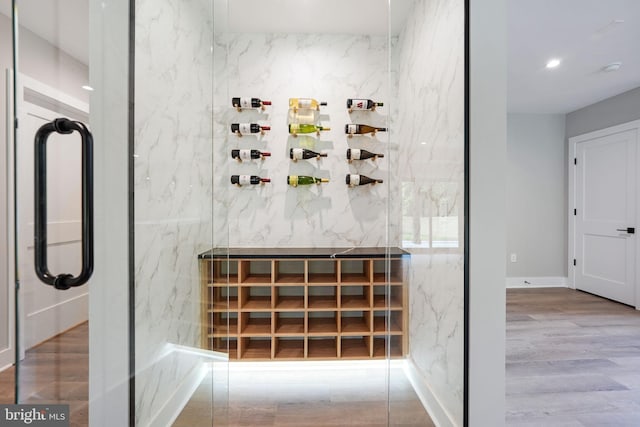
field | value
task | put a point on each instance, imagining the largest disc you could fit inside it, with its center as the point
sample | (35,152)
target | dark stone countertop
(304,253)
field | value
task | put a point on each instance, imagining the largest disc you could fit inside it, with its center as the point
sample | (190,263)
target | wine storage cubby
(296,304)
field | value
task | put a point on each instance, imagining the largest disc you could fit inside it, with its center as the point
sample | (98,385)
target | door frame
(7,355)
(571,222)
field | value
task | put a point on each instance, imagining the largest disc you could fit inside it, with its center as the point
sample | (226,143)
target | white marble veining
(431,128)
(329,68)
(172,179)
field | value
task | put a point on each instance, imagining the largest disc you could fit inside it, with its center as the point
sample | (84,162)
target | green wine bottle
(296,128)
(295,180)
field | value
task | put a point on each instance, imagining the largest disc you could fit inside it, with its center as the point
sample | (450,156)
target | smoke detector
(614,66)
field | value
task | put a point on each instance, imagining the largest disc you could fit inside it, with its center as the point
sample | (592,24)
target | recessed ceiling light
(614,66)
(553,63)
(87,87)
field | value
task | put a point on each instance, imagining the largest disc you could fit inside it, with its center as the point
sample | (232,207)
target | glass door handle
(62,281)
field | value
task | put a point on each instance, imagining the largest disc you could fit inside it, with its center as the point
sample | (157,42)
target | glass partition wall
(293,194)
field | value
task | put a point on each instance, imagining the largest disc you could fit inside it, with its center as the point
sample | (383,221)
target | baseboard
(50,321)
(537,282)
(439,415)
(180,397)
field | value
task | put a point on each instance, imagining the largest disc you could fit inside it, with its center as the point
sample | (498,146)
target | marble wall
(185,203)
(431,128)
(173,193)
(328,68)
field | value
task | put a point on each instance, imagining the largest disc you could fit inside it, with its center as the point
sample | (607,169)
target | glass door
(51,204)
(125,347)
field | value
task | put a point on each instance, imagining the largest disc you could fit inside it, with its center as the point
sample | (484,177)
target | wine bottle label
(245,127)
(294,128)
(353,179)
(359,104)
(352,128)
(245,155)
(355,154)
(304,103)
(293,180)
(244,180)
(245,103)
(297,153)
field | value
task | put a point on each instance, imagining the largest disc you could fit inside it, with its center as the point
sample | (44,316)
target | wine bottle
(354,129)
(296,154)
(241,102)
(296,128)
(241,155)
(241,180)
(305,104)
(362,104)
(295,180)
(359,154)
(352,180)
(240,128)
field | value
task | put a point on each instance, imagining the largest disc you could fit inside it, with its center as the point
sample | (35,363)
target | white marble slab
(431,130)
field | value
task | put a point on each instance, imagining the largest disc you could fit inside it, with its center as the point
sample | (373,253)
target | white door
(605,239)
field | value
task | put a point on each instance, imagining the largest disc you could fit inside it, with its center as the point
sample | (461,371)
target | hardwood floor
(573,360)
(55,371)
(303,394)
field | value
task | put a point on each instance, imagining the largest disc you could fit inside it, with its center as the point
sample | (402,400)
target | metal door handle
(62,281)
(630,230)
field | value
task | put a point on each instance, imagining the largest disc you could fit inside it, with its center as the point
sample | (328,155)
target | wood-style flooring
(305,394)
(56,371)
(573,360)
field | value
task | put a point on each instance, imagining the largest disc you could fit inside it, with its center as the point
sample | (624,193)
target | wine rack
(304,304)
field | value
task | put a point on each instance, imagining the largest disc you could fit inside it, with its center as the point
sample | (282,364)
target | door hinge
(575,160)
(575,212)
(574,261)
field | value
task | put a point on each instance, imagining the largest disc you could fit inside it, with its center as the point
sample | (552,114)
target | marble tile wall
(172,179)
(328,68)
(177,198)
(431,128)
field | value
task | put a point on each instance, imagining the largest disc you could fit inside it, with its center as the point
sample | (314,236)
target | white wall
(487,217)
(109,296)
(536,195)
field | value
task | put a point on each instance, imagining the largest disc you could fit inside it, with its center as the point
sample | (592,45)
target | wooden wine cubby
(314,304)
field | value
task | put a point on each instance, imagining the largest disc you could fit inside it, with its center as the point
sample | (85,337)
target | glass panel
(52,66)
(186,299)
(428,59)
(313,282)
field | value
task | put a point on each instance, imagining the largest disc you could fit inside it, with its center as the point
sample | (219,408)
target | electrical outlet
(514,258)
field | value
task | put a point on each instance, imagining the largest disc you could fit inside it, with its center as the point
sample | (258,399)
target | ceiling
(586,35)
(312,16)
(64,23)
